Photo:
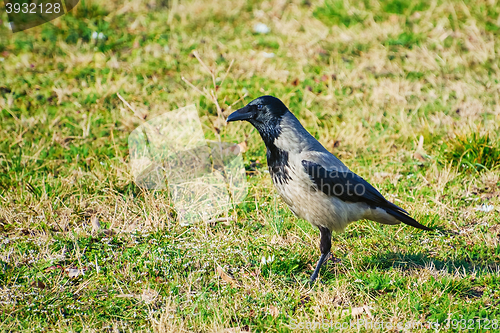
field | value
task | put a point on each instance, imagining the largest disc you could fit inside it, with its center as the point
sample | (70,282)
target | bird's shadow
(411,261)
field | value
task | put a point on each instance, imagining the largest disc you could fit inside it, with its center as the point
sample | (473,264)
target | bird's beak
(244,113)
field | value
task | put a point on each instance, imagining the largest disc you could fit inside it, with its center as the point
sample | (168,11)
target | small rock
(261,28)
(485,208)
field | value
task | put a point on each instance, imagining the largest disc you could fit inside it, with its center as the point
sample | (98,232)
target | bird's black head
(264,113)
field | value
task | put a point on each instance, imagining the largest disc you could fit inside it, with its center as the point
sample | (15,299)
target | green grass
(473,151)
(367,78)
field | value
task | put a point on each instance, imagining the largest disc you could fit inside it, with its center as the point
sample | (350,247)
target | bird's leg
(325,245)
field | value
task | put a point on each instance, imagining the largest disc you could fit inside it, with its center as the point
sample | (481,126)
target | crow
(313,182)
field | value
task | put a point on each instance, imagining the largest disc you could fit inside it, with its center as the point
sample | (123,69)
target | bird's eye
(260,107)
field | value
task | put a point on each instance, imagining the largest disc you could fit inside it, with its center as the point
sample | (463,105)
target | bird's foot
(322,260)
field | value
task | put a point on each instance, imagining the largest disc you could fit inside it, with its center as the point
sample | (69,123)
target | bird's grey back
(299,143)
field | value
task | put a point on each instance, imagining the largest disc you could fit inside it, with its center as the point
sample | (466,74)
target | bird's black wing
(350,187)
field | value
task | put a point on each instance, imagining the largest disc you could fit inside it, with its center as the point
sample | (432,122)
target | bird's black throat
(269,127)
(277,161)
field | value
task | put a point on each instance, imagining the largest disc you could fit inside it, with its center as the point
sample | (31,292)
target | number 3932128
(33,8)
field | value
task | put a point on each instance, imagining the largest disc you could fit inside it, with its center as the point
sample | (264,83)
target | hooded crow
(314,183)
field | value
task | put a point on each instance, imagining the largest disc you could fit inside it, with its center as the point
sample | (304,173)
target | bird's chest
(294,185)
(295,190)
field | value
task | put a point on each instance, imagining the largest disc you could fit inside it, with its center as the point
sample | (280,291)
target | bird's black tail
(402,215)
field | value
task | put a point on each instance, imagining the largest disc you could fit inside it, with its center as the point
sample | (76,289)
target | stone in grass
(261,28)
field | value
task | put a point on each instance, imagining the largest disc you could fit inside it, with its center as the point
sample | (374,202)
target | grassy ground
(367,78)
